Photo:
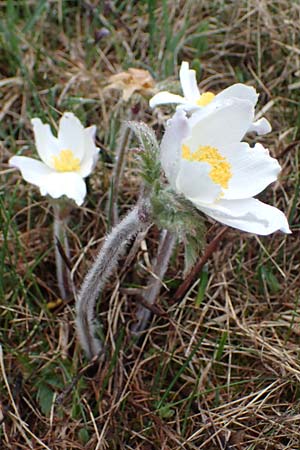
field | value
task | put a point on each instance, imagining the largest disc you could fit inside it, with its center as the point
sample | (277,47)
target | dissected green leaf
(179,216)
(193,245)
(149,156)
(170,210)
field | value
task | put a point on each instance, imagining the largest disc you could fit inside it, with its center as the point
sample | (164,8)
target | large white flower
(194,100)
(66,160)
(204,160)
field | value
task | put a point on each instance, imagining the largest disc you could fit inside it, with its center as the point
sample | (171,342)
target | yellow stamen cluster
(220,168)
(66,162)
(205,98)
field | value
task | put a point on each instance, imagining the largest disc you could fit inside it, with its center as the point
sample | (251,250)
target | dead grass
(215,371)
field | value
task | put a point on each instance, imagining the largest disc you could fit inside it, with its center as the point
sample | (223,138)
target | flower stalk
(62,249)
(164,253)
(104,265)
(123,143)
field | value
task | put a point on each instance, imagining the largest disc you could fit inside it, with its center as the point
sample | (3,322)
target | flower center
(220,172)
(205,98)
(66,162)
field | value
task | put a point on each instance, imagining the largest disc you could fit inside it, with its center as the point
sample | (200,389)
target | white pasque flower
(194,100)
(66,160)
(204,160)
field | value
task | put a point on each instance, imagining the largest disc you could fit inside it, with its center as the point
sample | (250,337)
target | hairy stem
(62,250)
(117,173)
(164,253)
(96,278)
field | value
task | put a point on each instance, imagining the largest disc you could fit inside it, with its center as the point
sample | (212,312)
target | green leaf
(266,274)
(202,286)
(199,39)
(83,436)
(36,15)
(221,345)
(45,397)
(165,412)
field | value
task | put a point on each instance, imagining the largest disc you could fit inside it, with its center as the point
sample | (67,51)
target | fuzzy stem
(117,173)
(60,237)
(96,278)
(164,253)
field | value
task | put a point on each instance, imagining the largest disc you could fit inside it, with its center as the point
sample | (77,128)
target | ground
(219,366)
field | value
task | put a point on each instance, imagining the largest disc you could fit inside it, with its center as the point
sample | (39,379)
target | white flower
(193,100)
(204,159)
(66,160)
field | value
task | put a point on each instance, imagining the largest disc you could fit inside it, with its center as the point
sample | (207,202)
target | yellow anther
(66,162)
(205,98)
(220,172)
(186,152)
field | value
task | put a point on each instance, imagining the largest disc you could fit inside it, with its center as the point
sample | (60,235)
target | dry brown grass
(222,375)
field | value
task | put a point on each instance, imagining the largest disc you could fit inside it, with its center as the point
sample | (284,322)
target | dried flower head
(131,81)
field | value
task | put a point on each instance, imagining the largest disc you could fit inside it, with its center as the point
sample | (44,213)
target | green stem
(96,279)
(164,253)
(123,142)
(62,250)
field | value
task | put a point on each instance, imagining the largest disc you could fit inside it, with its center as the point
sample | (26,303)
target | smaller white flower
(66,160)
(193,100)
(204,160)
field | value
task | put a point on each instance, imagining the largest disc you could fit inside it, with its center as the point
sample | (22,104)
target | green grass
(225,358)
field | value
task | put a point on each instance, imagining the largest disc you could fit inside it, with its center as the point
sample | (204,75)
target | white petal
(249,215)
(56,184)
(46,144)
(32,171)
(253,169)
(188,82)
(190,107)
(71,134)
(164,98)
(177,130)
(71,184)
(240,91)
(90,152)
(222,124)
(261,127)
(194,182)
